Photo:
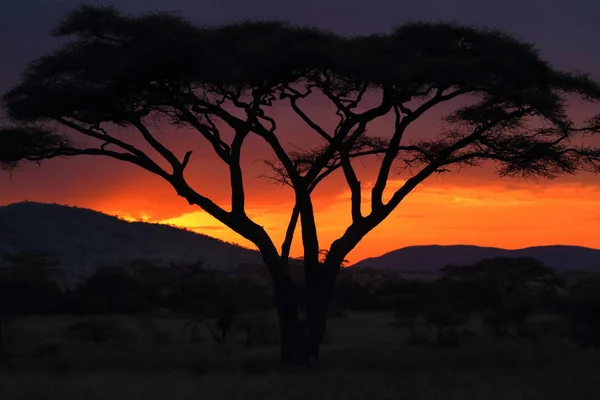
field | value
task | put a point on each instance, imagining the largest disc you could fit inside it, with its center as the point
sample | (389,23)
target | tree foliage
(29,283)
(507,290)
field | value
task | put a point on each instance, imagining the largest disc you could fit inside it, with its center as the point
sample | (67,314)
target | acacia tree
(132,71)
(506,288)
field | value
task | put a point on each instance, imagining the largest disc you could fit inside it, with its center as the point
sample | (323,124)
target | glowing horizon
(498,214)
(472,207)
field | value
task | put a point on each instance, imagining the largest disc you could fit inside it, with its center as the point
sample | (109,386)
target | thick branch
(295,179)
(141,158)
(313,125)
(289,235)
(344,129)
(394,147)
(354,185)
(211,134)
(156,145)
(310,239)
(356,231)
(127,157)
(350,174)
(235,174)
(102,135)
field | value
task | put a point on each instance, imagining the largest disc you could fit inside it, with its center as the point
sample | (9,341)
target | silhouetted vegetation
(402,327)
(503,294)
(28,286)
(583,313)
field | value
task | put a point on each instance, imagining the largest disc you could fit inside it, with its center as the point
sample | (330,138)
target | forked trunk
(301,338)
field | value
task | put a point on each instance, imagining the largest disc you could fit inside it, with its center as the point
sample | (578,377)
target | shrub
(584,314)
(97,331)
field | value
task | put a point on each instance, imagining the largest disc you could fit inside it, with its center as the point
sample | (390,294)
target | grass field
(363,358)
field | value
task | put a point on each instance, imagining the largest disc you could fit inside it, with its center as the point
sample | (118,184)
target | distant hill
(427,260)
(84,239)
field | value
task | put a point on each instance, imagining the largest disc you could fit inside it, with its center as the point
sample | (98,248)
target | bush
(97,331)
(158,336)
(446,322)
(194,327)
(224,324)
(259,331)
(584,314)
(111,290)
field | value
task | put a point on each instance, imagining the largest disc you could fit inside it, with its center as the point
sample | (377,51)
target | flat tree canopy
(509,107)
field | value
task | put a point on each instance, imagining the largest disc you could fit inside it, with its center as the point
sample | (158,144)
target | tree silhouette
(583,313)
(506,288)
(109,290)
(28,285)
(135,72)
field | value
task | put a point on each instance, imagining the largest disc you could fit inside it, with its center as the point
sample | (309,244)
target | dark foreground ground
(130,358)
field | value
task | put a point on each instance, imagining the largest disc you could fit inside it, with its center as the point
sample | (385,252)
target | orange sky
(492,214)
(470,207)
(443,210)
(473,207)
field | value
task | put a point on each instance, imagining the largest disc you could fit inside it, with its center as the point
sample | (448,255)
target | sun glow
(494,214)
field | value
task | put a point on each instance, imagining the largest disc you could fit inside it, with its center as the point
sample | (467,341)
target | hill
(84,239)
(427,260)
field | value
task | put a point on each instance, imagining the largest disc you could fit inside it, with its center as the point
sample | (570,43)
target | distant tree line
(505,293)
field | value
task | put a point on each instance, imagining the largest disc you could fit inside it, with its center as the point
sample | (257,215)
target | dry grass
(363,359)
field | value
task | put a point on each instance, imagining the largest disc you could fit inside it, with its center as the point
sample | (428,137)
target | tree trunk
(301,339)
(287,313)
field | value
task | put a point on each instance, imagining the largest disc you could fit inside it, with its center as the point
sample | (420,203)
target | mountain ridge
(84,239)
(430,258)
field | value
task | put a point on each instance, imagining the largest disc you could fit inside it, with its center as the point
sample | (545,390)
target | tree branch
(295,179)
(313,125)
(235,174)
(289,235)
(209,133)
(142,158)
(156,145)
(350,174)
(127,157)
(394,147)
(102,136)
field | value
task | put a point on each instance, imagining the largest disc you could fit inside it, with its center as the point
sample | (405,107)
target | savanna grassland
(364,357)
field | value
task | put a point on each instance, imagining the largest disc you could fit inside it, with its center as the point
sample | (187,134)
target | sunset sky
(470,207)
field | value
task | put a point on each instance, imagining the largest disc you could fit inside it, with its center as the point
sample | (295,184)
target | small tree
(583,313)
(137,71)
(28,286)
(507,289)
(110,290)
(225,318)
(407,315)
